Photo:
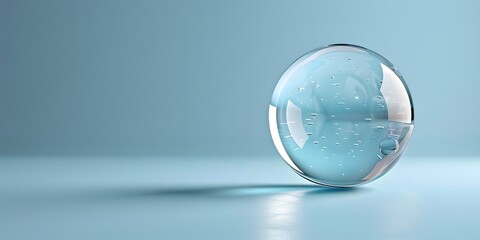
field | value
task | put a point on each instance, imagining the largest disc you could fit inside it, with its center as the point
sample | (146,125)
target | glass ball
(341,115)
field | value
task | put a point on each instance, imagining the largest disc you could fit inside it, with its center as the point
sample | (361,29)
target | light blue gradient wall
(195,77)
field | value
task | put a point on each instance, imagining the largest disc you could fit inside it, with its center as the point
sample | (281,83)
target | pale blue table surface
(231,198)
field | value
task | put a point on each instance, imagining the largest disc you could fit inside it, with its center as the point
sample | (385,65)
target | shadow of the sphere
(234,191)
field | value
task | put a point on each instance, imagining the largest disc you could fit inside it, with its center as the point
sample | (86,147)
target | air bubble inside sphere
(341,116)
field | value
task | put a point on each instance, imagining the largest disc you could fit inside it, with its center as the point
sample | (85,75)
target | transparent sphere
(341,115)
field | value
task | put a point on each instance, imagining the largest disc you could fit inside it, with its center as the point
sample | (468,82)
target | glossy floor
(232,198)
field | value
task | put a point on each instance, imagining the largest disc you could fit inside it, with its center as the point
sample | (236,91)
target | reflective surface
(231,198)
(341,115)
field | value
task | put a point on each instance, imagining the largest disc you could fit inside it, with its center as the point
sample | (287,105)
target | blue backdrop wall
(195,78)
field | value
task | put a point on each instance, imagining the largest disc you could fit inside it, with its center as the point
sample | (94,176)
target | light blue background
(194,78)
(148,119)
